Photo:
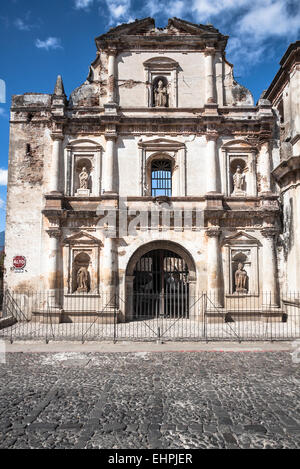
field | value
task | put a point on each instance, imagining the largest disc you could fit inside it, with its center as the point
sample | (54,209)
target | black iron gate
(161,286)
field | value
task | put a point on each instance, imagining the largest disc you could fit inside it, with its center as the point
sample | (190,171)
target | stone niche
(239,169)
(83,168)
(241,264)
(81,255)
(164,70)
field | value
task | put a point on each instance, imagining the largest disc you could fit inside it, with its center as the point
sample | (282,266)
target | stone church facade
(158,176)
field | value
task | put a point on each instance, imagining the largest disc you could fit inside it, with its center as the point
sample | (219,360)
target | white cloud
(3,177)
(272,18)
(83,4)
(21,25)
(24,24)
(205,9)
(118,10)
(177,8)
(152,7)
(49,43)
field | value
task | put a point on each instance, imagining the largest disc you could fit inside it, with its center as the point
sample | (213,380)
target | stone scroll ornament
(83,179)
(82,280)
(160,95)
(240,279)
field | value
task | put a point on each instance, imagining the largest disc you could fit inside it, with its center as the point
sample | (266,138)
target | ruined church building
(159,176)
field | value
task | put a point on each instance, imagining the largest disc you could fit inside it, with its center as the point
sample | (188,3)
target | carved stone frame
(172,150)
(165,67)
(241,242)
(239,149)
(83,149)
(75,244)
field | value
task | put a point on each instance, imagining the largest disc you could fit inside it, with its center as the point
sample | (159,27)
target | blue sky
(41,39)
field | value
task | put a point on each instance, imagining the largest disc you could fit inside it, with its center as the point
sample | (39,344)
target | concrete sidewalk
(41,347)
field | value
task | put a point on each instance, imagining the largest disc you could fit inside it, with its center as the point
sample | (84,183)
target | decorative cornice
(212,135)
(286,167)
(57,136)
(269,232)
(213,232)
(54,233)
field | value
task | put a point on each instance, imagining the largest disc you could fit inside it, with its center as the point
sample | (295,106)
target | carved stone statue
(160,95)
(82,280)
(83,178)
(240,279)
(238,180)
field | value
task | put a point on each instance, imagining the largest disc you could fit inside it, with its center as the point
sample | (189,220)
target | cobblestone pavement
(150,400)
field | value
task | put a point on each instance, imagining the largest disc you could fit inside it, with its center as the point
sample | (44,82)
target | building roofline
(288,59)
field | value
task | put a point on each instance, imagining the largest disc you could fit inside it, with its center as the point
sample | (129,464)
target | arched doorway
(162,277)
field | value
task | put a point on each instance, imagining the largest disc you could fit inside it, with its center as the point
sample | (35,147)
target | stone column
(54,272)
(109,272)
(55,163)
(111,92)
(209,75)
(253,181)
(109,163)
(129,313)
(269,268)
(214,281)
(211,162)
(265,168)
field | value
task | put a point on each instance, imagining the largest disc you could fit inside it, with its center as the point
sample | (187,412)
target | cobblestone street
(154,400)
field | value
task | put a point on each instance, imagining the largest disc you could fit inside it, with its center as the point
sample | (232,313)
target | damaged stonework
(241,95)
(85,95)
(129,83)
(157,100)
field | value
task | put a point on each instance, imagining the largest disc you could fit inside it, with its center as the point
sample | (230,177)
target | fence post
(115,318)
(204,308)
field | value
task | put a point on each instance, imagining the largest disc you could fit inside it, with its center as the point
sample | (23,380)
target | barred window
(161,178)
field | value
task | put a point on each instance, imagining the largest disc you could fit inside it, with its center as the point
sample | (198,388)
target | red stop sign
(19,262)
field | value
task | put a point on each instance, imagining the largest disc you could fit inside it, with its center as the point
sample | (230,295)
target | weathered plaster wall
(26,185)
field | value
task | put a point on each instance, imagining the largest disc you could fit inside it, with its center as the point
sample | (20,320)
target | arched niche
(240,259)
(242,153)
(165,69)
(80,153)
(81,277)
(238,176)
(241,248)
(165,88)
(83,165)
(81,249)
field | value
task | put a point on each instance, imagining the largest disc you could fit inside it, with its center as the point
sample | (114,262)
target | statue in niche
(240,277)
(83,178)
(82,280)
(160,95)
(238,180)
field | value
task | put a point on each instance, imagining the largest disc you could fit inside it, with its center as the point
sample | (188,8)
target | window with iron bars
(161,178)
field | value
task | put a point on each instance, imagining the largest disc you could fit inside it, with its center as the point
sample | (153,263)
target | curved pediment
(160,144)
(161,63)
(83,142)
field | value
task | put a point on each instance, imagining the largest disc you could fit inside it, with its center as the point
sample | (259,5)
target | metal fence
(49,316)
